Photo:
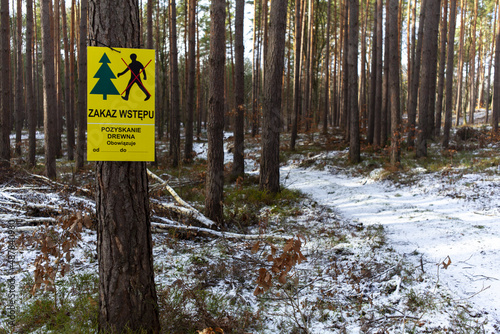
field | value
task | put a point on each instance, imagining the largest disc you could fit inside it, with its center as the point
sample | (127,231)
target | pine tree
(104,86)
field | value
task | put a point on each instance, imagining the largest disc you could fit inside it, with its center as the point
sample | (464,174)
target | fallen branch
(185,209)
(162,227)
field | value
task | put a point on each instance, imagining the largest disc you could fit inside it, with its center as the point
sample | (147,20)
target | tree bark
(352,81)
(82,86)
(68,93)
(175,121)
(5,81)
(127,294)
(30,102)
(472,75)
(49,92)
(460,65)
(191,64)
(19,79)
(428,75)
(215,153)
(496,85)
(296,74)
(373,80)
(326,107)
(449,74)
(274,65)
(442,63)
(239,92)
(378,86)
(394,96)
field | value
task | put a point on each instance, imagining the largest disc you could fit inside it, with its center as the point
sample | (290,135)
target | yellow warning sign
(120,104)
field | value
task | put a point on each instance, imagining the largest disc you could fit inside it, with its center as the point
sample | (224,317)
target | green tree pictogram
(104,86)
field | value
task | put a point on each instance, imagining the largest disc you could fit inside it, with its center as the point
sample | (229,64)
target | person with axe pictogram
(136,68)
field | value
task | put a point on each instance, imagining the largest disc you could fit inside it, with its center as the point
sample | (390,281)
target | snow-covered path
(424,220)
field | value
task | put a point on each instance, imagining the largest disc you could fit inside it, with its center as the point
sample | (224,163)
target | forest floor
(407,250)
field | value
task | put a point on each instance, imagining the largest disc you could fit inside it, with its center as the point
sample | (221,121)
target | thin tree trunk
(496,83)
(373,80)
(175,121)
(30,102)
(490,64)
(392,40)
(327,70)
(5,88)
(19,80)
(415,80)
(191,58)
(296,73)
(49,92)
(215,153)
(460,65)
(255,69)
(274,65)
(384,112)
(82,86)
(378,86)
(442,63)
(352,81)
(472,55)
(70,138)
(449,74)
(57,68)
(239,92)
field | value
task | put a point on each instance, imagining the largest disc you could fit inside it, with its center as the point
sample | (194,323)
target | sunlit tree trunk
(191,64)
(472,75)
(460,65)
(490,63)
(296,73)
(442,63)
(415,79)
(449,74)
(496,84)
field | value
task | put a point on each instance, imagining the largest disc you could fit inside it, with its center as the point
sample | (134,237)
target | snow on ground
(441,216)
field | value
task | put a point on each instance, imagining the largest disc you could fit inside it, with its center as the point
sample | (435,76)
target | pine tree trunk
(496,85)
(274,65)
(296,74)
(490,64)
(378,86)
(327,70)
(81,110)
(127,294)
(352,81)
(442,64)
(428,75)
(19,79)
(472,76)
(175,121)
(394,93)
(215,153)
(5,81)
(239,92)
(373,81)
(191,59)
(415,79)
(460,65)
(30,102)
(449,74)
(70,138)
(49,92)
